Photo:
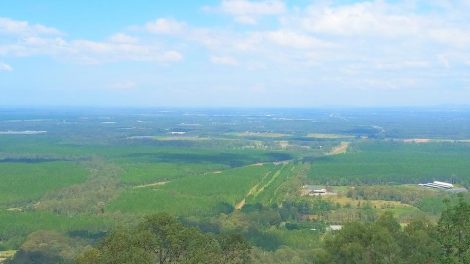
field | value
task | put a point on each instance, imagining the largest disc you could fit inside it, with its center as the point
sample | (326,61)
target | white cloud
(258,88)
(224,60)
(123,38)
(363,18)
(403,64)
(165,26)
(444,60)
(295,40)
(366,44)
(24,28)
(452,36)
(99,52)
(381,19)
(172,56)
(245,7)
(388,84)
(247,20)
(248,12)
(119,47)
(5,67)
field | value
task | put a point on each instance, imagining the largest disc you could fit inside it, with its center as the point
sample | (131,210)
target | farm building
(334,228)
(318,191)
(313,190)
(438,185)
(444,186)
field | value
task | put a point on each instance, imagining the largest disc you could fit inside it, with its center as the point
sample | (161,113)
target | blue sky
(264,53)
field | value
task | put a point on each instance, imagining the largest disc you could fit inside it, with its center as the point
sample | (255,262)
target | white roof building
(438,185)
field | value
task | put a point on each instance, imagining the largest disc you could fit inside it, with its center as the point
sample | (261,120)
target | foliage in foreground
(384,241)
(162,239)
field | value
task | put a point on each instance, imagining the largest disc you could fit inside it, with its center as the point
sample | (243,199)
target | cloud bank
(320,48)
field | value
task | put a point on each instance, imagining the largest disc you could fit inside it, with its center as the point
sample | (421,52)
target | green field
(192,195)
(25,182)
(145,172)
(393,162)
(15,226)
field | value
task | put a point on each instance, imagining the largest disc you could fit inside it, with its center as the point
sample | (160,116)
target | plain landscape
(76,175)
(235,132)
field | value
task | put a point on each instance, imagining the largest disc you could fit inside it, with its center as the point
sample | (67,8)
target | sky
(234,53)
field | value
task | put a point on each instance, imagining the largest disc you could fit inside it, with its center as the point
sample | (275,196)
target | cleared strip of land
(266,182)
(151,184)
(340,149)
(328,136)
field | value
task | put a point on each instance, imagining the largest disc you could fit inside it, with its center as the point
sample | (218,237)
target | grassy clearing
(4,255)
(258,134)
(434,140)
(339,149)
(182,138)
(328,136)
(377,204)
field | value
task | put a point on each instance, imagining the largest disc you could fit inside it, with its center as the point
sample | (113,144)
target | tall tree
(454,232)
(162,239)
